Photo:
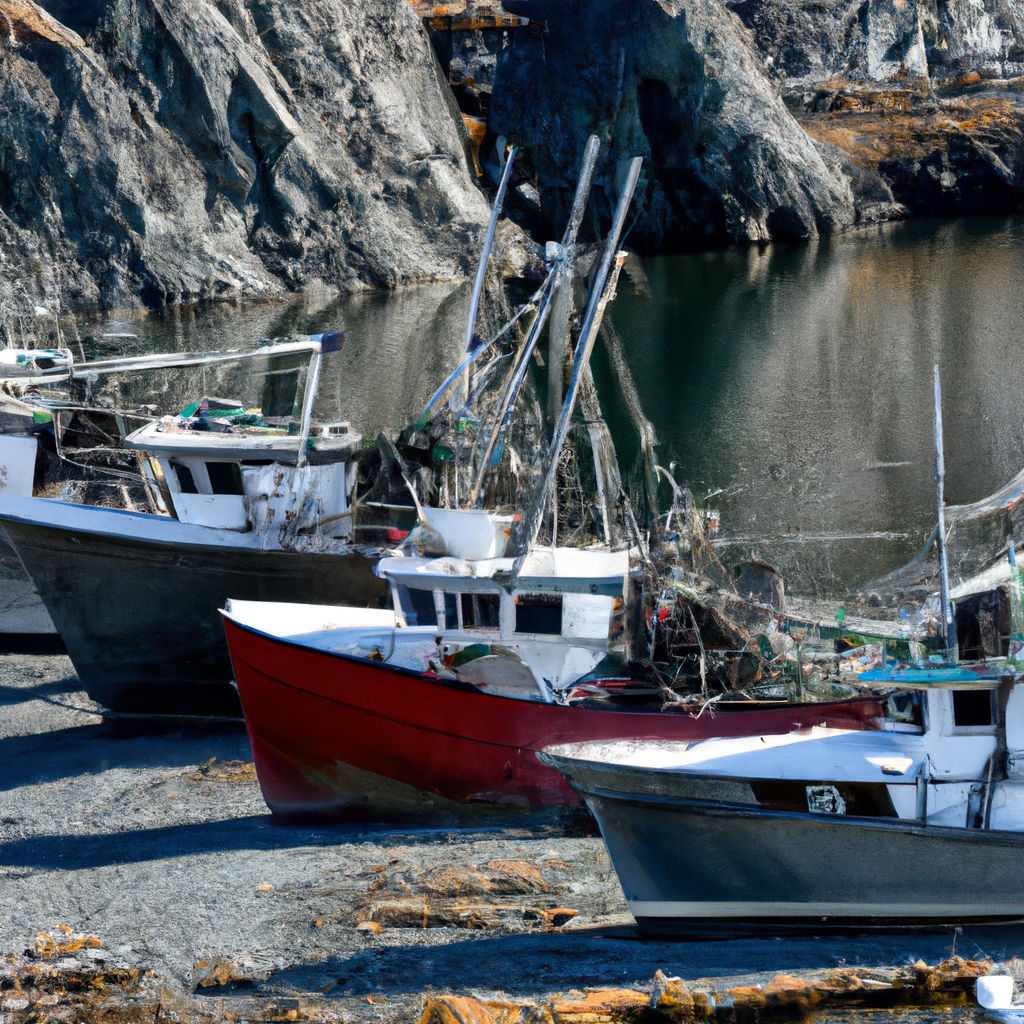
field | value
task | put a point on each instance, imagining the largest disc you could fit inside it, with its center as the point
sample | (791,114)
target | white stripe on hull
(122,525)
(711,909)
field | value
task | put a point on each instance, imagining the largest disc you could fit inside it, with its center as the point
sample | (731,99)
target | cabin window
(280,387)
(186,482)
(225,477)
(972,707)
(451,611)
(539,613)
(481,611)
(418,607)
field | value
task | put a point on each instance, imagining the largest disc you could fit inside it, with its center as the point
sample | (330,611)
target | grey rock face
(880,40)
(946,153)
(674,81)
(805,41)
(178,150)
(967,35)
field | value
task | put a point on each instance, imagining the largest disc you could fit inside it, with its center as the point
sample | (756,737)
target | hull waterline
(337,736)
(140,618)
(689,864)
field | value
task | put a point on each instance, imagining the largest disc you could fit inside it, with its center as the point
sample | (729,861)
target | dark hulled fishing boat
(247,504)
(135,598)
(909,825)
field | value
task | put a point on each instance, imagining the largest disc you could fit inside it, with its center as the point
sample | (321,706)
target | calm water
(790,385)
(398,348)
(793,385)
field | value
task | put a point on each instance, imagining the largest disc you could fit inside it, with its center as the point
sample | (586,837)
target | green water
(398,347)
(791,386)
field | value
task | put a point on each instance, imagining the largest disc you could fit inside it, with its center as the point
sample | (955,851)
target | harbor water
(792,387)
(789,385)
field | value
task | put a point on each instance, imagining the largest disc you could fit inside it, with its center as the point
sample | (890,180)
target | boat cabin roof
(186,437)
(545,569)
(23,362)
(839,755)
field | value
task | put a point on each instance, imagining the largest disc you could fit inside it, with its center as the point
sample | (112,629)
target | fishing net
(483,441)
(977,536)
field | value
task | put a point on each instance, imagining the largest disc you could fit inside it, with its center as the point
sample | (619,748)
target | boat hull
(343,737)
(139,617)
(688,864)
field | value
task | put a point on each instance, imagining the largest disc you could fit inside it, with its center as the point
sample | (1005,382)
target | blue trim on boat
(945,674)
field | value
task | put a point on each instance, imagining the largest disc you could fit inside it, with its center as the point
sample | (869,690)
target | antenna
(946,624)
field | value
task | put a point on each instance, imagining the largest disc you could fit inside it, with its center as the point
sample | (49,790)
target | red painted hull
(335,736)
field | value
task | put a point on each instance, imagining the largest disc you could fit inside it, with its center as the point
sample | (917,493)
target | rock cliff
(804,41)
(175,150)
(920,102)
(771,119)
(674,81)
(163,151)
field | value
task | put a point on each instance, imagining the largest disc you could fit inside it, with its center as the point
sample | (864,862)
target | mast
(599,298)
(330,342)
(485,252)
(559,291)
(558,336)
(946,627)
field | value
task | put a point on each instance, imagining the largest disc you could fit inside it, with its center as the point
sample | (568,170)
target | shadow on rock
(256,832)
(64,753)
(41,691)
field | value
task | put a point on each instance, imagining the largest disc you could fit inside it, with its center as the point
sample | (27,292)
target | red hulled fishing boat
(437,708)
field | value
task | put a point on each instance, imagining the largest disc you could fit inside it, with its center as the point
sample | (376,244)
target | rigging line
(561,276)
(428,410)
(603,292)
(496,443)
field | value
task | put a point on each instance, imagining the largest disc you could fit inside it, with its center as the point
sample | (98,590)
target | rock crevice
(674,81)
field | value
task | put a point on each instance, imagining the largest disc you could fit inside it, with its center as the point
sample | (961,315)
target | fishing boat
(918,823)
(61,431)
(35,362)
(434,709)
(244,503)
(496,642)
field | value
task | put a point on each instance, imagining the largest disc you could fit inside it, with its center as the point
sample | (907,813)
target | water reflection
(398,347)
(795,381)
(791,383)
